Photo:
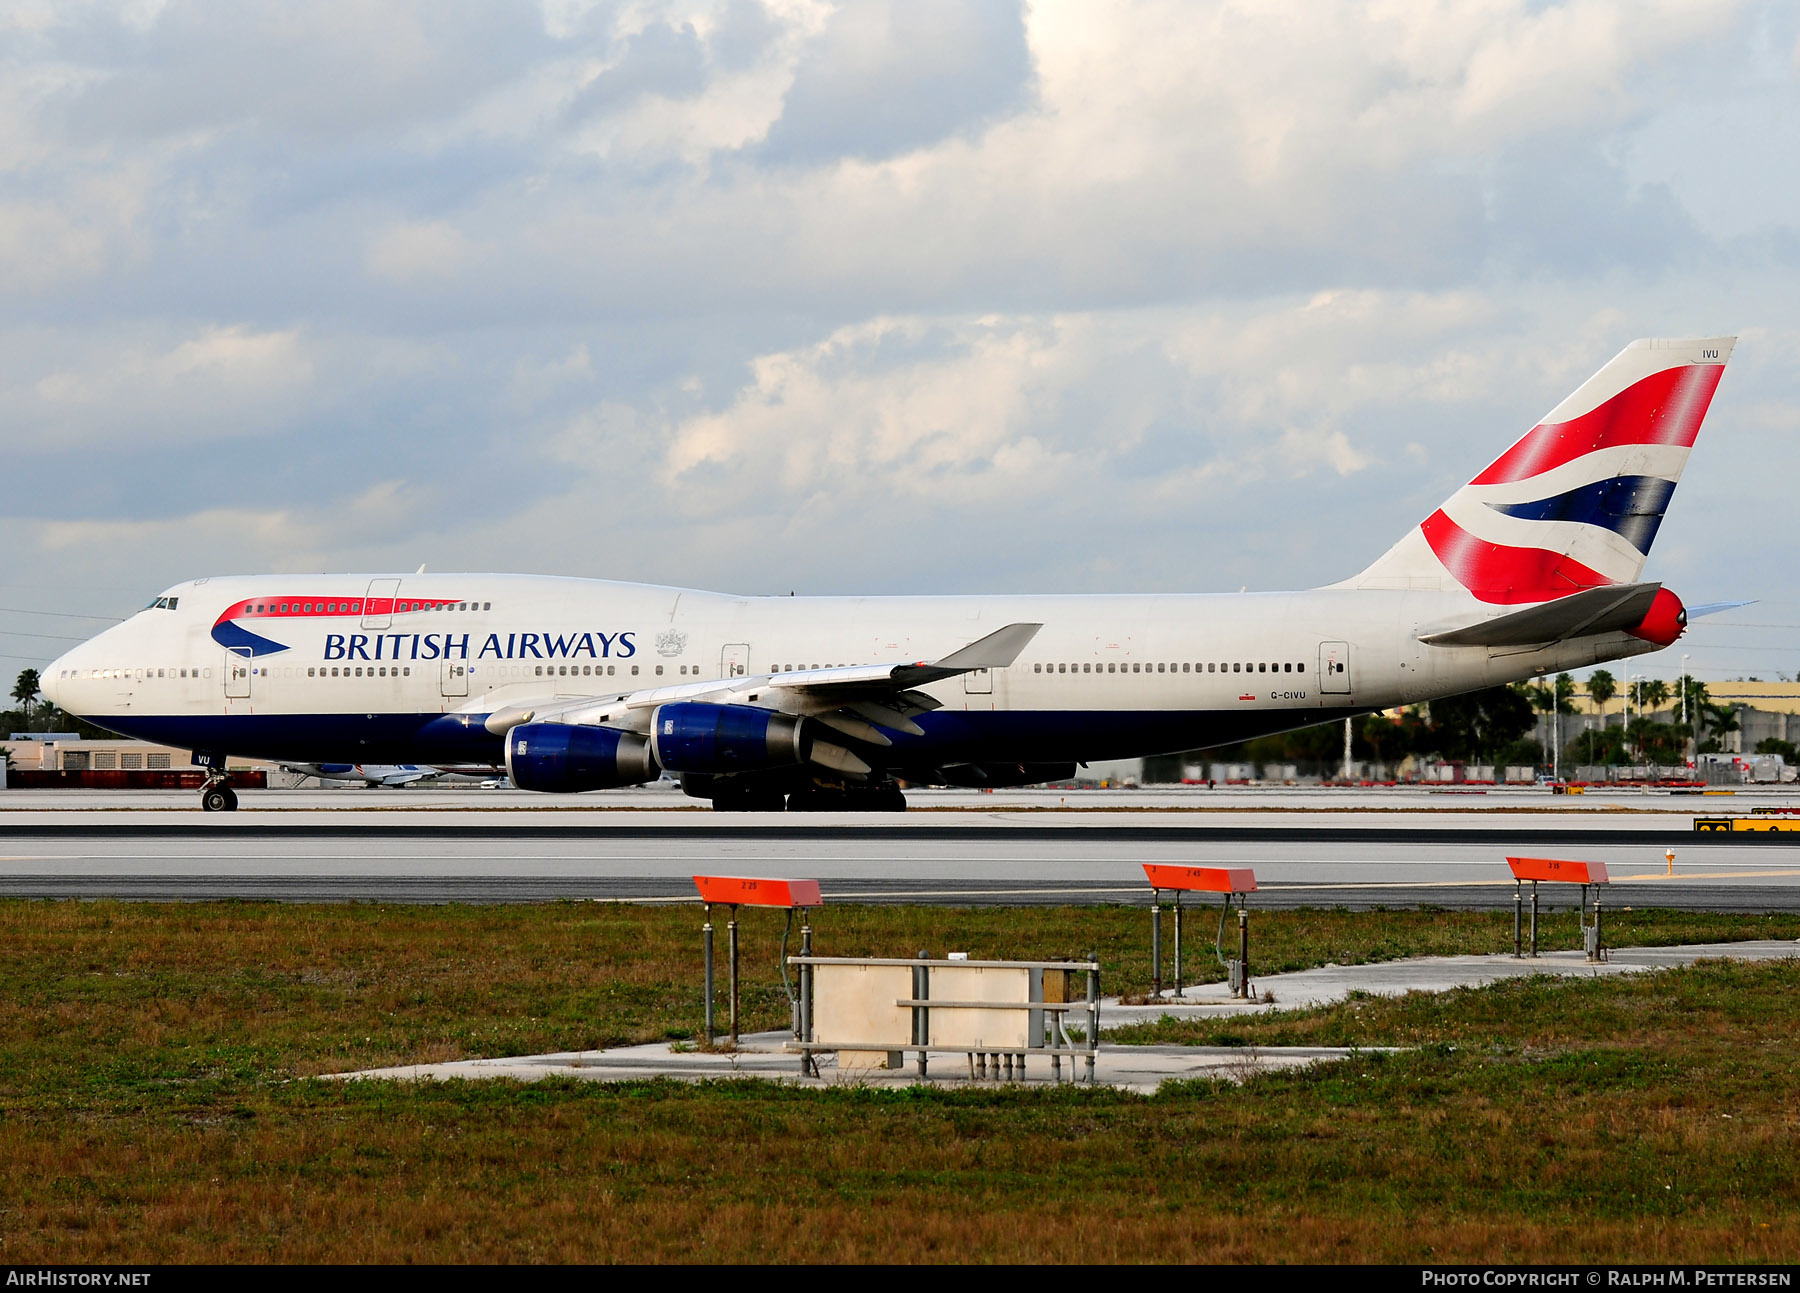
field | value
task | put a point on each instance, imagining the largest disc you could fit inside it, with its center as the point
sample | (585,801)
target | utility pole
(1555,732)
(1688,741)
(1346,749)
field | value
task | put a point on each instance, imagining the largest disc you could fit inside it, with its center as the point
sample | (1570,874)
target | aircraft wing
(857,700)
(401,776)
(1593,611)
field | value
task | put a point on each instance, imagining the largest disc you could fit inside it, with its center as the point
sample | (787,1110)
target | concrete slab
(765,1056)
(1330,984)
(1132,1068)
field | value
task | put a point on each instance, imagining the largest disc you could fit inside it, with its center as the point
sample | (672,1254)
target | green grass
(154,1107)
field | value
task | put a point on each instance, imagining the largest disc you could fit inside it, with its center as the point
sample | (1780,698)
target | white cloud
(405,253)
(1160,293)
(224,382)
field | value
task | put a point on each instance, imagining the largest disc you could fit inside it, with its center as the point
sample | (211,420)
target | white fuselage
(404,668)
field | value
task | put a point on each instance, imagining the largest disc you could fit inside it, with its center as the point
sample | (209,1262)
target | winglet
(995,651)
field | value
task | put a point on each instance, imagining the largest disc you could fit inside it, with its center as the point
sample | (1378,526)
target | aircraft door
(453,677)
(378,603)
(978,682)
(734,660)
(237,675)
(1334,668)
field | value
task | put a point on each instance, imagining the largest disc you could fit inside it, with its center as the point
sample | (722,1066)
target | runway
(1332,849)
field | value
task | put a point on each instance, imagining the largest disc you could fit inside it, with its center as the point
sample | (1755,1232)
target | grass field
(153,1062)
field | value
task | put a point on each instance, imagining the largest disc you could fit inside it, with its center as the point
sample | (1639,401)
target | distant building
(67,752)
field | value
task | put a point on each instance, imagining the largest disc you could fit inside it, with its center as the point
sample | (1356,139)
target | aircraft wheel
(218,799)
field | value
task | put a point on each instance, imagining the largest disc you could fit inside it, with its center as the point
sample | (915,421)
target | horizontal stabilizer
(1616,608)
(1717,608)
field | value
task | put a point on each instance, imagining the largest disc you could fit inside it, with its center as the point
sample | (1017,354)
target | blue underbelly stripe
(1029,736)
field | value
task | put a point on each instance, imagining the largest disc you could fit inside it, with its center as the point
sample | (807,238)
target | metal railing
(895,1015)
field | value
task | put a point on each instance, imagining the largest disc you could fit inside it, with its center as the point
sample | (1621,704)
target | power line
(63,615)
(48,637)
(1737,624)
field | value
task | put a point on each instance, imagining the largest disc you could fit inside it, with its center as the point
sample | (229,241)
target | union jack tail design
(1576,503)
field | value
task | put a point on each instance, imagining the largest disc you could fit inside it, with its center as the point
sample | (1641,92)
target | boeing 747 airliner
(805,702)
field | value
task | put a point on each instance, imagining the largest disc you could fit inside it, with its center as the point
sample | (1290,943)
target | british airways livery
(828,702)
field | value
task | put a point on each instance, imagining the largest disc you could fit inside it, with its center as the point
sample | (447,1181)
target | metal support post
(807,1062)
(922,1014)
(1518,919)
(1534,914)
(1093,1001)
(731,939)
(1598,952)
(1244,952)
(1156,942)
(706,941)
(1177,944)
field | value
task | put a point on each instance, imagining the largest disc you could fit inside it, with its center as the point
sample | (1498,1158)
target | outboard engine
(691,736)
(564,757)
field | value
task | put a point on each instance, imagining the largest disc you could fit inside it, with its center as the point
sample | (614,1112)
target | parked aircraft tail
(1576,503)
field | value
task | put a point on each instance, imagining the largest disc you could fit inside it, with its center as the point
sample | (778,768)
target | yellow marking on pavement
(1711,875)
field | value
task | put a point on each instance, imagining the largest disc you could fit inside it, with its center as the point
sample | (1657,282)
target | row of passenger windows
(356,671)
(137,673)
(352,608)
(1286,666)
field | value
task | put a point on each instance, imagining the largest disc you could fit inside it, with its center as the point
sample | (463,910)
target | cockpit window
(163,604)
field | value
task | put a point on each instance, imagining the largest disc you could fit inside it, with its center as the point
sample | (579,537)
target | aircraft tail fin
(1576,503)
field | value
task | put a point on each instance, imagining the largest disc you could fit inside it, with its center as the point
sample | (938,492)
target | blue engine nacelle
(563,757)
(690,736)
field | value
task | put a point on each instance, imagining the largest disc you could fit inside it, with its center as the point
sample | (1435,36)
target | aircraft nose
(48,679)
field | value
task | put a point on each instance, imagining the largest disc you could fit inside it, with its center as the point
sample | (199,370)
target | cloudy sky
(882,296)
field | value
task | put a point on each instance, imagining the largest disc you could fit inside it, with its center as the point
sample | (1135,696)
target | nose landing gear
(217,796)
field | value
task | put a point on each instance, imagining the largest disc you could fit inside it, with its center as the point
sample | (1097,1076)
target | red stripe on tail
(1506,576)
(1663,408)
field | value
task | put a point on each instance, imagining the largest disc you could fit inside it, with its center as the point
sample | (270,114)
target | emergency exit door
(237,675)
(453,678)
(734,660)
(1334,668)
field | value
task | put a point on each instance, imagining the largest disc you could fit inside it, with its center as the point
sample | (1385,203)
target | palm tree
(1602,687)
(25,691)
(1653,694)
(1692,694)
(1562,688)
(1543,701)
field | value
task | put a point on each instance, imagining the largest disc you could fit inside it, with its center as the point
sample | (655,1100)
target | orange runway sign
(1208,879)
(745,891)
(1557,869)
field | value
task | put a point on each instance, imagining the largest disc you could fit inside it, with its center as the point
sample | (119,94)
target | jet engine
(565,757)
(692,736)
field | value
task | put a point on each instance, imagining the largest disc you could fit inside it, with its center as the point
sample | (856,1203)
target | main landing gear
(754,794)
(885,797)
(217,796)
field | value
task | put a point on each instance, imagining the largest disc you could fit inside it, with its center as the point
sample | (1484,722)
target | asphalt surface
(1353,849)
